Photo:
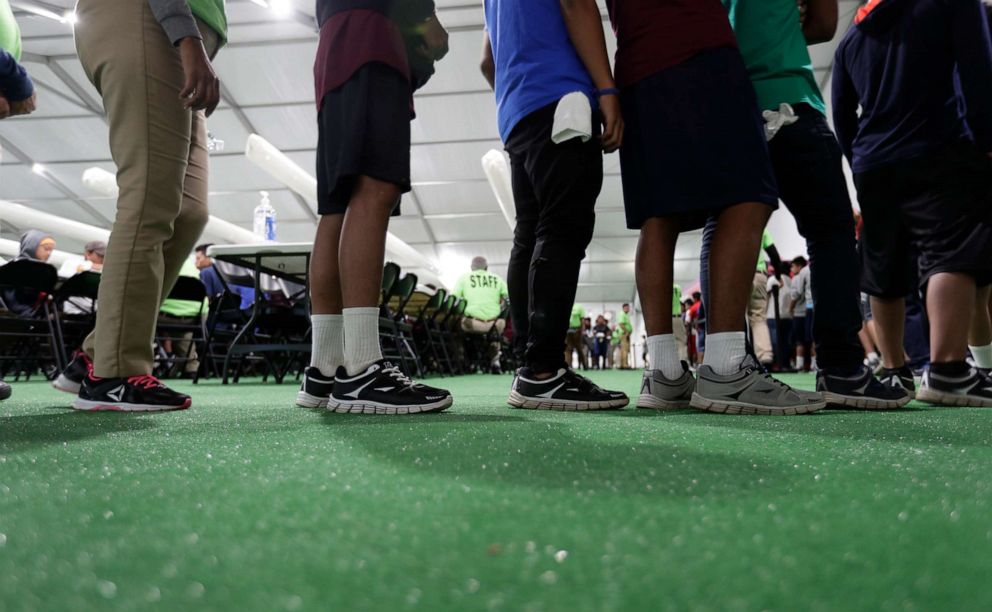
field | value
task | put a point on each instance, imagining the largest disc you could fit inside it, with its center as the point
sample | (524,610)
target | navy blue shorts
(694,141)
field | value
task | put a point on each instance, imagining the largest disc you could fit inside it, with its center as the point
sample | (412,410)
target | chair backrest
(27,274)
(402,291)
(390,274)
(84,285)
(188,289)
(446,305)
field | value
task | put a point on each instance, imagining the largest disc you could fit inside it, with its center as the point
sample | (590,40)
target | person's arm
(973,52)
(585,30)
(488,64)
(15,84)
(201,87)
(820,21)
(845,103)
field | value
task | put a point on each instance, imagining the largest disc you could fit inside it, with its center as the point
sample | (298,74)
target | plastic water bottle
(264,225)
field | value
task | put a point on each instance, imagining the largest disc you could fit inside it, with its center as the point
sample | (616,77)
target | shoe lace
(397,374)
(751,365)
(146,381)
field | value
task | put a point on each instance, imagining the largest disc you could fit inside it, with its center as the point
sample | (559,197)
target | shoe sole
(722,407)
(92,406)
(835,400)
(539,403)
(305,400)
(952,399)
(358,407)
(647,401)
(65,385)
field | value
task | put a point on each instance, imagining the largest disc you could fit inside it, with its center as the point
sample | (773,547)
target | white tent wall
(266,71)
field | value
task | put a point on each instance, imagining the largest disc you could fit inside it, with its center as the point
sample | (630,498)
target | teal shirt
(771,41)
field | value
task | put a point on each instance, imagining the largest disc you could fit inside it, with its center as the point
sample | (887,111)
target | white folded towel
(776,120)
(573,118)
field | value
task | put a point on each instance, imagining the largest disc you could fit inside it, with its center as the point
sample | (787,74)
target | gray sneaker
(660,393)
(751,391)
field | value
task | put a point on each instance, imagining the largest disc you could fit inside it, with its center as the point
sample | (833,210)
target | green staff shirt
(10,34)
(578,313)
(623,322)
(213,13)
(676,301)
(185,308)
(771,40)
(766,241)
(483,291)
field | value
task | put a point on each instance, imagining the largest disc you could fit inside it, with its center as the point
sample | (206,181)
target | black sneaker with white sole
(383,389)
(901,378)
(133,394)
(566,391)
(315,390)
(859,390)
(5,391)
(972,388)
(71,378)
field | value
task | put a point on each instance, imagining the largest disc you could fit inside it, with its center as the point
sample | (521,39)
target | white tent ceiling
(266,71)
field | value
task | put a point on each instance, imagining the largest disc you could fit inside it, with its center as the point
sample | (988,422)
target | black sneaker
(860,390)
(901,378)
(4,391)
(72,376)
(972,389)
(384,389)
(315,390)
(134,394)
(566,390)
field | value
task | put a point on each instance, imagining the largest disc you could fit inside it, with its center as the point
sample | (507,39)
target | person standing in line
(602,336)
(485,294)
(757,309)
(150,62)
(801,307)
(773,36)
(558,112)
(678,323)
(370,58)
(574,338)
(912,89)
(695,148)
(624,329)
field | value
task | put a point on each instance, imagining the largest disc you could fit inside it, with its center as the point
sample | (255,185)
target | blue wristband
(609,91)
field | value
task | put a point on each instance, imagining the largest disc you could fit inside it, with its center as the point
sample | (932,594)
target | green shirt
(766,241)
(10,34)
(184,308)
(676,301)
(213,13)
(771,40)
(578,313)
(623,322)
(483,291)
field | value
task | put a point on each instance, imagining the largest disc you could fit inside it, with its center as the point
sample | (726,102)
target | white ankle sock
(328,343)
(800,363)
(664,356)
(361,339)
(725,352)
(982,355)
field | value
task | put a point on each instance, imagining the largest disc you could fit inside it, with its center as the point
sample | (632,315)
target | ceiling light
(70,17)
(282,8)
(38,169)
(261,3)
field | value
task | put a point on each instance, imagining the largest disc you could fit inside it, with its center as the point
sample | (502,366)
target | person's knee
(192,219)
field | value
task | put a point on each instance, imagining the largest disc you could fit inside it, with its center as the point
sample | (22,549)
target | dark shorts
(363,130)
(694,141)
(939,206)
(801,331)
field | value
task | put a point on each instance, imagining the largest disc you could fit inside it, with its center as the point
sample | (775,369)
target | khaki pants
(161,155)
(479,327)
(575,342)
(757,318)
(681,338)
(625,351)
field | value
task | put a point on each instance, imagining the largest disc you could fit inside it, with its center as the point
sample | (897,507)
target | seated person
(35,246)
(485,293)
(215,285)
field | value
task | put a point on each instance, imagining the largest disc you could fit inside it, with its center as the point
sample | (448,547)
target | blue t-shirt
(536,63)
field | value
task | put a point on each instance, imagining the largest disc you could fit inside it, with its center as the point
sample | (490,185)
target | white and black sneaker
(566,391)
(859,389)
(969,388)
(134,394)
(660,393)
(384,389)
(901,378)
(315,390)
(71,378)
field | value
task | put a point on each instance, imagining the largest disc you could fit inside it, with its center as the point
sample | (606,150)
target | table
(266,264)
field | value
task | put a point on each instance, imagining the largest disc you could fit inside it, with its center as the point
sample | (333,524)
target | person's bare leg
(735,243)
(866,344)
(326,320)
(890,328)
(950,305)
(654,271)
(980,333)
(361,253)
(325,273)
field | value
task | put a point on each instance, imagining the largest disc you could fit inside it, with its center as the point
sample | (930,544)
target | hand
(612,136)
(23,107)
(4,108)
(435,39)
(201,88)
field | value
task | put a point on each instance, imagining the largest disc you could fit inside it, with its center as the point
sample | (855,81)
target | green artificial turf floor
(245,502)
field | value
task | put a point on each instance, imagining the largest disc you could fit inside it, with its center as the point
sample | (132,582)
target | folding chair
(30,341)
(398,340)
(189,329)
(75,299)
